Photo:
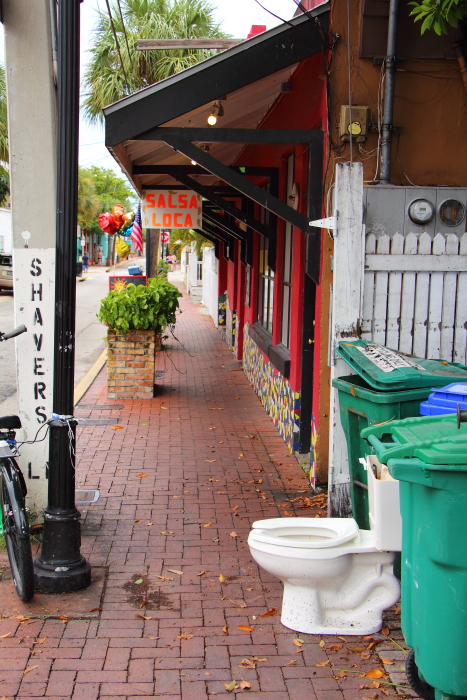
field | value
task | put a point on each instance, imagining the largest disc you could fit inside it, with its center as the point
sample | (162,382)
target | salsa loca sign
(171,209)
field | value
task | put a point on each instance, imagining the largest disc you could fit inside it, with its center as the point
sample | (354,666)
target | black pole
(60,568)
(148,252)
(390,61)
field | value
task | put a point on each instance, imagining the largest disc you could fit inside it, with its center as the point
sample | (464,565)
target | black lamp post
(60,568)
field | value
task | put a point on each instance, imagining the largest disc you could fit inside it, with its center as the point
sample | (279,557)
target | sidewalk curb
(84,384)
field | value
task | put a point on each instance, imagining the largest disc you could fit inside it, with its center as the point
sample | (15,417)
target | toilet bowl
(336,578)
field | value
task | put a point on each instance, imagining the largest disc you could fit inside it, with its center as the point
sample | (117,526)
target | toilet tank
(383,497)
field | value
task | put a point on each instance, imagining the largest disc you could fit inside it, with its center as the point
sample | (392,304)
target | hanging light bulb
(193,162)
(217,111)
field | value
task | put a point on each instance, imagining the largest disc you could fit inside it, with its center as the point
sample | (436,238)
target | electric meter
(421,211)
(451,212)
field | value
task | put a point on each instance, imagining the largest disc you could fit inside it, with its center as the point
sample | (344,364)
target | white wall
(210,283)
(6,244)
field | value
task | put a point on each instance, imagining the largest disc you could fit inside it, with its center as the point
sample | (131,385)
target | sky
(236,17)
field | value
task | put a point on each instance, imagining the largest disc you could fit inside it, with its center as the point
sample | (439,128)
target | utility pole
(60,567)
(29,42)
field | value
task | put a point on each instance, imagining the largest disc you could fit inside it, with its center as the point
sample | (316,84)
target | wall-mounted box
(354,121)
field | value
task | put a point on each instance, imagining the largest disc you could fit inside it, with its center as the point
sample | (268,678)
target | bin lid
(449,396)
(389,370)
(435,440)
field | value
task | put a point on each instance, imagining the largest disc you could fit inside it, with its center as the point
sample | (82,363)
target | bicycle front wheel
(18,545)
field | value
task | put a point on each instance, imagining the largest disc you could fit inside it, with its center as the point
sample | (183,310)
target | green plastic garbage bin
(389,385)
(429,457)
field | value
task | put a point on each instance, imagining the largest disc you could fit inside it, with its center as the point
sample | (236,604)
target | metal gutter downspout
(390,62)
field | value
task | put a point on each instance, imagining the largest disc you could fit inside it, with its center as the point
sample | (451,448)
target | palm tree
(119,70)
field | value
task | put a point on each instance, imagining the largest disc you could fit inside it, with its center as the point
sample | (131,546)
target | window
(287,269)
(286,286)
(265,286)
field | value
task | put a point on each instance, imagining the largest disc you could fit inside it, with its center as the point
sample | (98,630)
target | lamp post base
(50,578)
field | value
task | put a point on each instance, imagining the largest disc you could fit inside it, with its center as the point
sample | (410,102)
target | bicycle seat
(10,422)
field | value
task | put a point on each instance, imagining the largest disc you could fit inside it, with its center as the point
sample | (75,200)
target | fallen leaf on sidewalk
(149,523)
(153,637)
(175,571)
(234,508)
(247,663)
(387,661)
(323,663)
(245,628)
(233,534)
(137,520)
(139,476)
(269,613)
(355,650)
(184,635)
(245,684)
(231,686)
(143,617)
(164,408)
(333,647)
(31,668)
(385,631)
(297,642)
(221,442)
(210,460)
(201,573)
(222,578)
(42,640)
(286,512)
(322,643)
(138,581)
(90,610)
(2,636)
(165,578)
(167,532)
(238,603)
(116,427)
(225,629)
(374,673)
(144,602)
(207,525)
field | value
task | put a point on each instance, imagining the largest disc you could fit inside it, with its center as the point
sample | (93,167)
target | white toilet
(337,579)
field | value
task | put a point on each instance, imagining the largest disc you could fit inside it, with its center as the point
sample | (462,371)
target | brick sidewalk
(180,486)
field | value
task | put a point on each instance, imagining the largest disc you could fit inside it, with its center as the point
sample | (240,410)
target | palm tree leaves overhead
(105,81)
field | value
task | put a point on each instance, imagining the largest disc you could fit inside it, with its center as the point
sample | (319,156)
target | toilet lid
(306,533)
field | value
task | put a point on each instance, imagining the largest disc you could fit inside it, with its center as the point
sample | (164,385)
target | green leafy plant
(140,308)
(439,14)
(162,269)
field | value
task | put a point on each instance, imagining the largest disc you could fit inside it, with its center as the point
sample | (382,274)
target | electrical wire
(124,28)
(284,21)
(117,43)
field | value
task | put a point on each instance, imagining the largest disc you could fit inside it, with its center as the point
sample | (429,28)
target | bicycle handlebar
(13,333)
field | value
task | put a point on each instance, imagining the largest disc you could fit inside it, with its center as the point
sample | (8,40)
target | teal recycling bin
(429,458)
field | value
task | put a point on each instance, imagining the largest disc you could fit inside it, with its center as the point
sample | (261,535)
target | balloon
(117,216)
(122,248)
(106,223)
(127,230)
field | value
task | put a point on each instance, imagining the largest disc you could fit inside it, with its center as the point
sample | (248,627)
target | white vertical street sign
(32,141)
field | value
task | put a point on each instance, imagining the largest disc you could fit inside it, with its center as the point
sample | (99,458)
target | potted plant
(136,317)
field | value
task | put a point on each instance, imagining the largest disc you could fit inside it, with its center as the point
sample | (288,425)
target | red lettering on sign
(188,221)
(177,223)
(161,202)
(193,202)
(155,222)
(171,206)
(151,200)
(182,201)
(167,220)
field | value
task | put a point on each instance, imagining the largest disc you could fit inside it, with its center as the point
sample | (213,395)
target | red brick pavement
(180,485)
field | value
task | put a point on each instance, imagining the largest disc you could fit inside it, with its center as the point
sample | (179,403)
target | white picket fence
(415,294)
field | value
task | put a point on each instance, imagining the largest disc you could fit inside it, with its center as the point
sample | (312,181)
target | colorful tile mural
(230,331)
(274,392)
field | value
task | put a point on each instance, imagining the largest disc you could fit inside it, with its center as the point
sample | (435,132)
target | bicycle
(14,521)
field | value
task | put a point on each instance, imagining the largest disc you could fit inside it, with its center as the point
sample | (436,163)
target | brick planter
(130,364)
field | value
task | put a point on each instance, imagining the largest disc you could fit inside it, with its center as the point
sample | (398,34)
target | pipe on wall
(390,62)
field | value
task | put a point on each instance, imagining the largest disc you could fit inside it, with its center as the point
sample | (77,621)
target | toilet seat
(305,533)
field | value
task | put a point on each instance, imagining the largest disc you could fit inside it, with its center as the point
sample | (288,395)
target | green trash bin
(389,385)
(429,457)
(361,406)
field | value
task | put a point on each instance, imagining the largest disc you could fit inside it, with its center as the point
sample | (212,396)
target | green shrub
(140,308)
(162,268)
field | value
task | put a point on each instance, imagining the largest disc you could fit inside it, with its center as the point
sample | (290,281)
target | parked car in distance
(6,271)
